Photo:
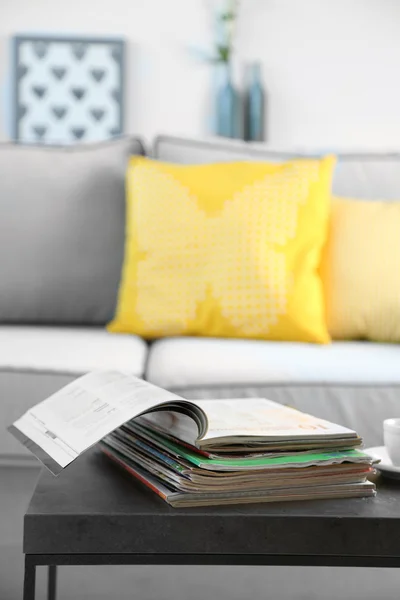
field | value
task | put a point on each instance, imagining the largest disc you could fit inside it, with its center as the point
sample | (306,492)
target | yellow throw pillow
(225,250)
(361,270)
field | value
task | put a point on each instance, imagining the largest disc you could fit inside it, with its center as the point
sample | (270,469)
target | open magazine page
(258,417)
(173,423)
(62,427)
(230,421)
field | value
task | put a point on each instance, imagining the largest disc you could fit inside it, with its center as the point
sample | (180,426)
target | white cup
(391,436)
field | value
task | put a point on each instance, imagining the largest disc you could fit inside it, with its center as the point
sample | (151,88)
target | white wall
(332,67)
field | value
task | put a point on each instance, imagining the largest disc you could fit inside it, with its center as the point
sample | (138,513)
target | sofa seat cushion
(176,363)
(69,350)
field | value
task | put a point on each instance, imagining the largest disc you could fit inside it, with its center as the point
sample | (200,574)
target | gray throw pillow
(62,224)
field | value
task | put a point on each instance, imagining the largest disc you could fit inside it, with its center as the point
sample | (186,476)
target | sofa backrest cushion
(364,176)
(187,151)
(62,213)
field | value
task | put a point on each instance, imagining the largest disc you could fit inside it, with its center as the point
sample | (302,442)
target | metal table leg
(29,579)
(52,582)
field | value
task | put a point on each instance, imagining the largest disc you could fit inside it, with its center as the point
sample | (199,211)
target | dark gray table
(95,514)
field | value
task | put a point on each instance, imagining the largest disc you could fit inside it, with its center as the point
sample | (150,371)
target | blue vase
(255,106)
(227,104)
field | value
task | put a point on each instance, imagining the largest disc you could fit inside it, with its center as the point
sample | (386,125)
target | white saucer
(385,466)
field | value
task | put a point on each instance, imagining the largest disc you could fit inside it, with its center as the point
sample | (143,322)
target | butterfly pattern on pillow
(229,264)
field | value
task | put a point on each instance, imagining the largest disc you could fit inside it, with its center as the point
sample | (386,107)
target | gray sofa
(61,249)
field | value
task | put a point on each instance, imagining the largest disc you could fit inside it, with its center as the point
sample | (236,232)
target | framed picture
(67,89)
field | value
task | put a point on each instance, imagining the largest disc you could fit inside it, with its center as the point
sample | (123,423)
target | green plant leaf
(223,53)
(228,16)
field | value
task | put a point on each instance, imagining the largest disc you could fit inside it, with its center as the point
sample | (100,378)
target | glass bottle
(227,104)
(255,106)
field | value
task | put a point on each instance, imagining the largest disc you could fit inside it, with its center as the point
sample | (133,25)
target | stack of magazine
(198,452)
(240,451)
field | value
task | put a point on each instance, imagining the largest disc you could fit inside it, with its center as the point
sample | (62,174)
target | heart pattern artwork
(68,90)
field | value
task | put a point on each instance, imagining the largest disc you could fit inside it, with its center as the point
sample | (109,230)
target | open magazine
(260,424)
(61,428)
